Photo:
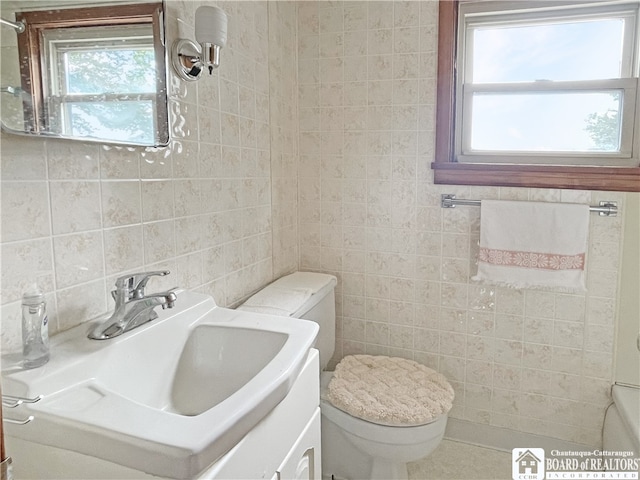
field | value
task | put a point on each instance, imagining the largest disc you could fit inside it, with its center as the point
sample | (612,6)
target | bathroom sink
(168,398)
(216,362)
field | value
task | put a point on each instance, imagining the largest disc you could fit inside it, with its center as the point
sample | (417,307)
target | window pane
(554,122)
(110,71)
(578,50)
(126,121)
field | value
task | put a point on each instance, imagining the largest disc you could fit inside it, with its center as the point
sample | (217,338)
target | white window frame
(59,42)
(473,14)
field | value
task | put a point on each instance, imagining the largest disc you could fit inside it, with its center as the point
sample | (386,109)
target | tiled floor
(461,461)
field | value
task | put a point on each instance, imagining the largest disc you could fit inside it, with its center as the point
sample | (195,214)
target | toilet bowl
(352,447)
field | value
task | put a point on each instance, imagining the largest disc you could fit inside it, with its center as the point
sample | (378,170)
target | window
(95,73)
(538,94)
(101,87)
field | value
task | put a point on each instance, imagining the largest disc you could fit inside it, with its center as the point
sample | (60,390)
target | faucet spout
(132,310)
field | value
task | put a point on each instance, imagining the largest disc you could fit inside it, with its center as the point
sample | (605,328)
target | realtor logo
(527,463)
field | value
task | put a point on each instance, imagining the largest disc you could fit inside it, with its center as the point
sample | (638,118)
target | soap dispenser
(35,328)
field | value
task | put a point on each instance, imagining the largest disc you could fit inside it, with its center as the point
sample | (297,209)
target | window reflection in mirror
(91,73)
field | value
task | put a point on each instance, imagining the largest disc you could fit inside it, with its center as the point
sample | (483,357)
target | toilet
(378,412)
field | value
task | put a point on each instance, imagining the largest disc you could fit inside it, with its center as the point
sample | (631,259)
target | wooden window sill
(622,179)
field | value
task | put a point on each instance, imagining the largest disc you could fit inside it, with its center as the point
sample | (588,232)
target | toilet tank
(306,295)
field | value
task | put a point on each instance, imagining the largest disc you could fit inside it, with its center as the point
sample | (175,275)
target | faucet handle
(135,283)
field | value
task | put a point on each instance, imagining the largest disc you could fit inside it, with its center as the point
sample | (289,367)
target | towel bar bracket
(604,209)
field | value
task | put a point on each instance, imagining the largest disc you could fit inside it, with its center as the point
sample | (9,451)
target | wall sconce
(190,58)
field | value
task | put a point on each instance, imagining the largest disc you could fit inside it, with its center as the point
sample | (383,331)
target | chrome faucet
(133,306)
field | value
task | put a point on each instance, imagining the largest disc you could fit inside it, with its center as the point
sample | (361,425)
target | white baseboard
(503,438)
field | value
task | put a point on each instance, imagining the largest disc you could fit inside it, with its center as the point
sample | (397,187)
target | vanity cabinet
(304,457)
(285,444)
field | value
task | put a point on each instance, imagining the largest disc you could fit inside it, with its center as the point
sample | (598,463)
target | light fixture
(190,58)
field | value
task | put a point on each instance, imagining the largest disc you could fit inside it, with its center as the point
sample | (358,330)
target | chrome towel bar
(10,401)
(18,422)
(19,27)
(605,209)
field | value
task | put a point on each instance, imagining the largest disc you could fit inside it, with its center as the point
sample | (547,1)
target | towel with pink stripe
(533,244)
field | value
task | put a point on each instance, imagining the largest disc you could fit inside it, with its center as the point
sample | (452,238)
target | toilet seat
(396,435)
(389,391)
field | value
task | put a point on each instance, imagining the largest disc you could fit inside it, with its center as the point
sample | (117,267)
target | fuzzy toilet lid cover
(389,390)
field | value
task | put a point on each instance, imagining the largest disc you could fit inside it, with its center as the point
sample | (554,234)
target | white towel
(533,244)
(276,300)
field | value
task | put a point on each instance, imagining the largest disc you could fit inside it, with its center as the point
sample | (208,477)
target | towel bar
(605,209)
(10,401)
(24,421)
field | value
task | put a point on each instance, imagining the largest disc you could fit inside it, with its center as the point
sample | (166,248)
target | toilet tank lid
(292,295)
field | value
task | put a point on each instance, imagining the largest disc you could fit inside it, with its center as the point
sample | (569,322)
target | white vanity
(200,392)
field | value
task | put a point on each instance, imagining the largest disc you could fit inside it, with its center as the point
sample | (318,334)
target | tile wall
(75,216)
(284,135)
(532,361)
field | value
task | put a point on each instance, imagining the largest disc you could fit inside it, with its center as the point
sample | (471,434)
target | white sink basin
(217,361)
(168,398)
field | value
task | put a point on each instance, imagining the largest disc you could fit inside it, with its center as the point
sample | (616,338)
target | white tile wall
(284,136)
(77,215)
(369,212)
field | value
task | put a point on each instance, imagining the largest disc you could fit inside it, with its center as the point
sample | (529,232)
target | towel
(533,245)
(277,300)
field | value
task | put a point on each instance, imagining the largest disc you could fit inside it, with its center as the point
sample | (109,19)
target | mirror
(87,71)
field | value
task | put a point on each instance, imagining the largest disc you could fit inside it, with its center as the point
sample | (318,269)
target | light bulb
(211,26)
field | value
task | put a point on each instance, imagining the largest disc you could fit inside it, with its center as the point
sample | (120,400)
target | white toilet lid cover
(389,390)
